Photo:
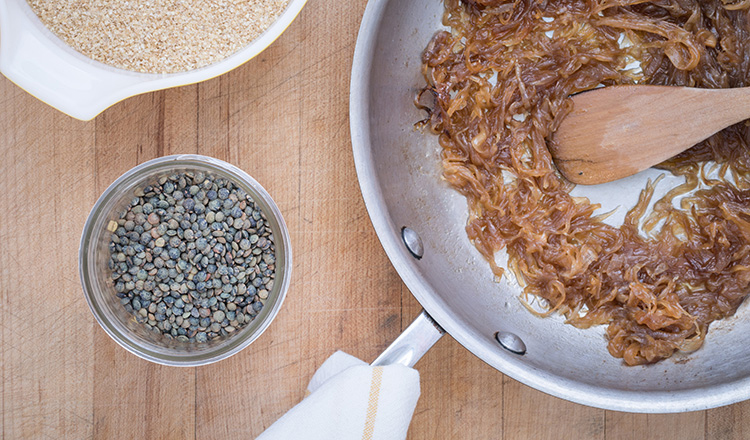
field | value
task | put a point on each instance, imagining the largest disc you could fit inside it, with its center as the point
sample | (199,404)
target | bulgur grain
(158,36)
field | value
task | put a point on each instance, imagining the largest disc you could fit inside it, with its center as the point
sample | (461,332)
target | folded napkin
(349,399)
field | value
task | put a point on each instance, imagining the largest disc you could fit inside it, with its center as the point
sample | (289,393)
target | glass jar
(99,288)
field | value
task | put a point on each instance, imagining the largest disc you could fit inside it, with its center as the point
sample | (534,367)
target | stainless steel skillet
(399,174)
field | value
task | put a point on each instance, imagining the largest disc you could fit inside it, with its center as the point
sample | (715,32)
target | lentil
(182,278)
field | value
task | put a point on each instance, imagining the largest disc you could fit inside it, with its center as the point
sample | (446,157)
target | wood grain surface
(282,117)
(593,145)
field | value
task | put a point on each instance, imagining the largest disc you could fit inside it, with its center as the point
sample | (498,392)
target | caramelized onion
(501,79)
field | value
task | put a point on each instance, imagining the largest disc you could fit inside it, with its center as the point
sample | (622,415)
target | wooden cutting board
(282,117)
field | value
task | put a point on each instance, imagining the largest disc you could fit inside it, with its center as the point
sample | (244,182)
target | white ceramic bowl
(42,64)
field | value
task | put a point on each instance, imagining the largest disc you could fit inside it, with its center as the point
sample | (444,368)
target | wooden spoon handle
(655,122)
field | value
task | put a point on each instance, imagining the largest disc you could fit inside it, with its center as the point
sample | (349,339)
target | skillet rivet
(511,342)
(413,242)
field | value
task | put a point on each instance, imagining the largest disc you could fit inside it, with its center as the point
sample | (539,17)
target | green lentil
(179,257)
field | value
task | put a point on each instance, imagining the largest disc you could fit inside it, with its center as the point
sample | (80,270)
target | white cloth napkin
(349,399)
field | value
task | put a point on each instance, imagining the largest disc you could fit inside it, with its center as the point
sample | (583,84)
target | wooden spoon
(617,131)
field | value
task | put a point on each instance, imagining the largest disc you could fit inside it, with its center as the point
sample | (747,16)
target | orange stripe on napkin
(372,404)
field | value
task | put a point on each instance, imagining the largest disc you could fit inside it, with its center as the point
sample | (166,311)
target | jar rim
(102,212)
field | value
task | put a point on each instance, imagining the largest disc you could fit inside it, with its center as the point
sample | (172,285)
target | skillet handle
(412,344)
